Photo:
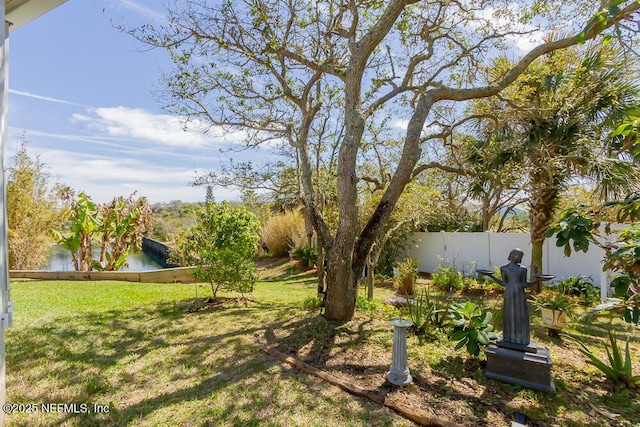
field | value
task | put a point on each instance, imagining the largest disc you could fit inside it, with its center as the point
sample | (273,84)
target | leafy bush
(622,257)
(472,327)
(619,369)
(312,303)
(581,287)
(364,304)
(486,283)
(284,232)
(574,227)
(222,248)
(117,226)
(553,301)
(447,277)
(32,209)
(308,255)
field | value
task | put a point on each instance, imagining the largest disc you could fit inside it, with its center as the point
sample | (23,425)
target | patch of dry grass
(283,232)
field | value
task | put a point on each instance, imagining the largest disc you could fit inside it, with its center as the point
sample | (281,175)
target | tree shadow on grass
(317,340)
(454,378)
(457,379)
(163,365)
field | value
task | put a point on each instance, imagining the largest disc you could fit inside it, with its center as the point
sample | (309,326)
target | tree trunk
(486,214)
(321,272)
(543,201)
(536,263)
(343,261)
(369,279)
(341,284)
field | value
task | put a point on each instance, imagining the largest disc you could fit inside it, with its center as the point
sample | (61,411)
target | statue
(515,358)
(515,322)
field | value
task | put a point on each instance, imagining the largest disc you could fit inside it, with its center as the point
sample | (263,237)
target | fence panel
(427,248)
(487,250)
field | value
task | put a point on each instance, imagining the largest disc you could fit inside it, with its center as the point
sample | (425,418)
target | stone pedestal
(399,372)
(530,368)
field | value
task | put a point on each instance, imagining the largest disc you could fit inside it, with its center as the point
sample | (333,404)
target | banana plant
(85,218)
(118,225)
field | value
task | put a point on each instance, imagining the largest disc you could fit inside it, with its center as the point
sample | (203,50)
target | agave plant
(619,369)
(426,312)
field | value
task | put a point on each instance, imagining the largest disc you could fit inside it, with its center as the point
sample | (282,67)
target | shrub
(447,277)
(427,314)
(32,209)
(118,227)
(284,232)
(553,301)
(312,303)
(581,287)
(308,255)
(222,247)
(488,284)
(472,327)
(622,256)
(364,304)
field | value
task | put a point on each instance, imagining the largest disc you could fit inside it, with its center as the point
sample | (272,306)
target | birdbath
(399,372)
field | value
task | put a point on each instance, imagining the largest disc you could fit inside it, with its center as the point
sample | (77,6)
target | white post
(604,285)
(399,372)
(5,304)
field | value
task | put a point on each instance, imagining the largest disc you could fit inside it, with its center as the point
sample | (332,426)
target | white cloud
(400,124)
(103,178)
(110,152)
(143,10)
(126,123)
(123,147)
(527,42)
(44,98)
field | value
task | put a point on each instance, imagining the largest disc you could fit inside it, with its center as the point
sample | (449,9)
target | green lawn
(141,351)
(138,349)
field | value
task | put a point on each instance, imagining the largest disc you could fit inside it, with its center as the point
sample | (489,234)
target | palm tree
(556,122)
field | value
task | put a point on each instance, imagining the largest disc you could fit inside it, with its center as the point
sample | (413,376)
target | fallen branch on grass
(416,415)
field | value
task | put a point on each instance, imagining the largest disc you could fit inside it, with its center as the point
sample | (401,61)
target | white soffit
(20,12)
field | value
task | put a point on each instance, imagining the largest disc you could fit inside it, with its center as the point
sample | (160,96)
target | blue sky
(82,94)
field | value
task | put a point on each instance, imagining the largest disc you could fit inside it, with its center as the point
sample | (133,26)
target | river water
(60,260)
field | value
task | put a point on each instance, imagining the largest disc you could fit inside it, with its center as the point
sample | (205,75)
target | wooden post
(369,279)
(321,273)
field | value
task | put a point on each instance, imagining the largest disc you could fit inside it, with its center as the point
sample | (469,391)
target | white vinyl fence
(468,251)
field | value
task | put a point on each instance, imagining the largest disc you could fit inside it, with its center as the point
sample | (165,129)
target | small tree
(558,117)
(84,221)
(222,247)
(32,208)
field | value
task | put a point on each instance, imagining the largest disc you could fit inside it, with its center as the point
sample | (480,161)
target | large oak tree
(268,67)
